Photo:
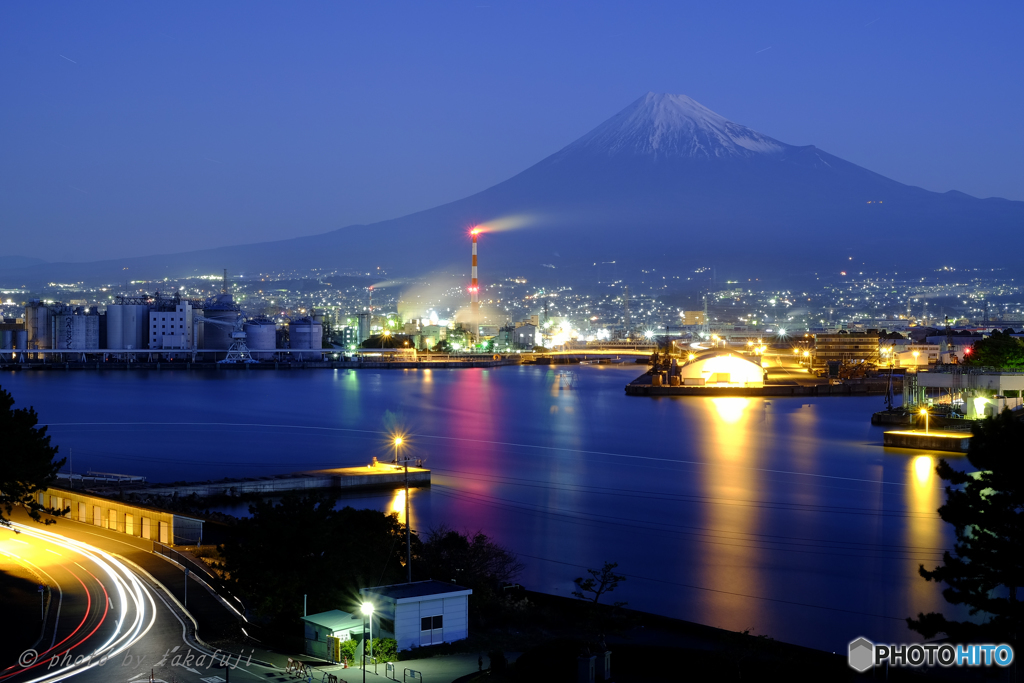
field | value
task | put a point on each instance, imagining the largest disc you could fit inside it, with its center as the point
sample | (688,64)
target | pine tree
(986,508)
(26,461)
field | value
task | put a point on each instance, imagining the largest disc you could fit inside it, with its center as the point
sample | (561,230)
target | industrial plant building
(161,327)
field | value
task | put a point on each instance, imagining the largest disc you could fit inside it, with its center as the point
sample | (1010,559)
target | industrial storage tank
(306,333)
(115,326)
(6,339)
(261,338)
(20,339)
(134,319)
(215,336)
(37,324)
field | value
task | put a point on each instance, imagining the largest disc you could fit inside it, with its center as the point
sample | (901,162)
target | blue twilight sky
(134,128)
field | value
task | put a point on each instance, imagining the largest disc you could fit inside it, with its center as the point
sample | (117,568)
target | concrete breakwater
(932,440)
(380,476)
(246,367)
(861,389)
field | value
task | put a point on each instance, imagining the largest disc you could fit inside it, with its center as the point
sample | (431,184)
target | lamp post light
(924,411)
(367,610)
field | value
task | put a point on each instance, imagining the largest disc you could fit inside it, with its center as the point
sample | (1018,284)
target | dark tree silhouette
(601,582)
(302,545)
(26,462)
(986,508)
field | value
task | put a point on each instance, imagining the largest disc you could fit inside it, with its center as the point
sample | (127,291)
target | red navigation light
(968,350)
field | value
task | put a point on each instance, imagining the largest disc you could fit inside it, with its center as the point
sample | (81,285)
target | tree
(986,508)
(601,582)
(471,560)
(303,546)
(26,462)
(998,350)
(442,346)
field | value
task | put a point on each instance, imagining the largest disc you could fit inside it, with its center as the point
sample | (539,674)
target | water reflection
(398,505)
(729,558)
(923,529)
(730,410)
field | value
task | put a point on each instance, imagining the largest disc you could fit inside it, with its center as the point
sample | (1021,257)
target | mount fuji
(665,183)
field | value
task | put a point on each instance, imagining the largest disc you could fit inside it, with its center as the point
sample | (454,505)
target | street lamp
(924,411)
(367,610)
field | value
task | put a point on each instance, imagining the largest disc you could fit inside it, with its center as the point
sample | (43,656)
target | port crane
(238,352)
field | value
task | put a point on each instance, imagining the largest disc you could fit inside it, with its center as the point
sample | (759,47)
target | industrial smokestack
(474,303)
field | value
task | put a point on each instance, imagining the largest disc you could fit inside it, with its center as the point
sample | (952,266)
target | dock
(378,476)
(845,389)
(204,366)
(932,440)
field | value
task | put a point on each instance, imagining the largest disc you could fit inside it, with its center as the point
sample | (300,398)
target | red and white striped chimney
(474,287)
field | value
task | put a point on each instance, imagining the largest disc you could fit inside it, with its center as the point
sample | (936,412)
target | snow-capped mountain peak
(674,125)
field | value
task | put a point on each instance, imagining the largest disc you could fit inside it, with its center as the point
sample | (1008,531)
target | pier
(209,366)
(377,476)
(642,387)
(932,440)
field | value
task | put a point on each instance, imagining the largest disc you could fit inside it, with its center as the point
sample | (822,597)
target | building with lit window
(849,347)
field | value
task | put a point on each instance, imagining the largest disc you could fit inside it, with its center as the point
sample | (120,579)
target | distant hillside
(665,183)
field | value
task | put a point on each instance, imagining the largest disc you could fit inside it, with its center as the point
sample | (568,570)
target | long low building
(133,520)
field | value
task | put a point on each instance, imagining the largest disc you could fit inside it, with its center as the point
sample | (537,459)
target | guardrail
(204,574)
(411,674)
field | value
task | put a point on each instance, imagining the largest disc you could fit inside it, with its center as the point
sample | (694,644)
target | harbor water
(784,515)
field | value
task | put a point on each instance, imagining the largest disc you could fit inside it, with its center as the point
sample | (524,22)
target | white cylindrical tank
(261,338)
(299,333)
(115,326)
(306,334)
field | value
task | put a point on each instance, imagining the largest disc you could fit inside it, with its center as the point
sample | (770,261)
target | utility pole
(408,529)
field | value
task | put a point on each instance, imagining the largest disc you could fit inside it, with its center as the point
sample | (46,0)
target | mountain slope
(664,183)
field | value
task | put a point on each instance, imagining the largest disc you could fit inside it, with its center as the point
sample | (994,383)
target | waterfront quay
(374,476)
(932,440)
(199,366)
(642,386)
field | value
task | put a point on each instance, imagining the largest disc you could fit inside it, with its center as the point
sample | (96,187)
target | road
(107,620)
(120,623)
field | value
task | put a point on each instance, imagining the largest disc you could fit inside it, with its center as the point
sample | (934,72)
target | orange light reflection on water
(924,527)
(730,561)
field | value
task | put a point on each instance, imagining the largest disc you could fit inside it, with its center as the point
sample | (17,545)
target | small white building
(421,613)
(325,631)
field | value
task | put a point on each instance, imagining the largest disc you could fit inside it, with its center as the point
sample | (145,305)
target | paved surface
(178,646)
